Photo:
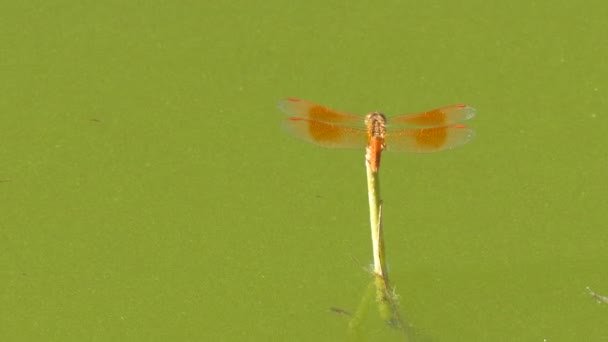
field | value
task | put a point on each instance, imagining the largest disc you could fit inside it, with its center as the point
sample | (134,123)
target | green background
(148,192)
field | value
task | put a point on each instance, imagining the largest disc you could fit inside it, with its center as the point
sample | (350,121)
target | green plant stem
(375,217)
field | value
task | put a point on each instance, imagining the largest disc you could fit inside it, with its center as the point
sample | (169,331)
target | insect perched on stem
(430,131)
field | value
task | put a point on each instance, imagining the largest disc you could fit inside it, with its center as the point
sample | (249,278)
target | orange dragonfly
(429,131)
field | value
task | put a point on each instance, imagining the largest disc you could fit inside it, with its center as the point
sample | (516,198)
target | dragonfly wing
(423,140)
(444,116)
(312,111)
(326,134)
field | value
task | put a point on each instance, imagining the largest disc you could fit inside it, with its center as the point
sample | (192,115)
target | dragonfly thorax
(376,124)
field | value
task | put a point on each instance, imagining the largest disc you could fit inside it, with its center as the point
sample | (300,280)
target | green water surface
(148,193)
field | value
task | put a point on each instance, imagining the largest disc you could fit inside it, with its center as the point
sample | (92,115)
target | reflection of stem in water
(354,324)
(386,302)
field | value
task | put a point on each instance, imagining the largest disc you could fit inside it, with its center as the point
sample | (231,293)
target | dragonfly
(434,130)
